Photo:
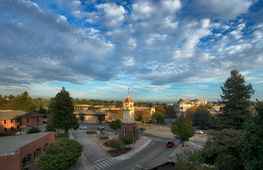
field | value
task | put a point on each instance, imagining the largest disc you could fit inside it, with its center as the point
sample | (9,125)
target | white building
(182,106)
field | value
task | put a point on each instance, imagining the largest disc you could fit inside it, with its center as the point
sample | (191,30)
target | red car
(169,144)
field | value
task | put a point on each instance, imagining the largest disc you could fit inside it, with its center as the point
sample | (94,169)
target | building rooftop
(13,114)
(10,144)
(89,112)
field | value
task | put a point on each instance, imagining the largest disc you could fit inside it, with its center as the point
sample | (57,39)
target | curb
(98,144)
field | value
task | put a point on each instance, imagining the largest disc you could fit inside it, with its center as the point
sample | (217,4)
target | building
(182,106)
(17,152)
(128,124)
(112,115)
(91,116)
(15,119)
(78,107)
(148,109)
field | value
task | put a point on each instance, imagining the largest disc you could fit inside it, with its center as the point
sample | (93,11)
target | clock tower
(128,124)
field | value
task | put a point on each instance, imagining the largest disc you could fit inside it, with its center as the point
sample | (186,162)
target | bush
(50,128)
(104,137)
(33,130)
(117,144)
(90,132)
(60,155)
(7,133)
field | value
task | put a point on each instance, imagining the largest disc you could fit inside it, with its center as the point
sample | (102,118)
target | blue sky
(161,50)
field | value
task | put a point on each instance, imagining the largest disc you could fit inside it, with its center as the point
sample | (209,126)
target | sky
(162,50)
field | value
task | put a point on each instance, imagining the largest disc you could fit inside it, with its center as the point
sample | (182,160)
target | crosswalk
(197,146)
(105,163)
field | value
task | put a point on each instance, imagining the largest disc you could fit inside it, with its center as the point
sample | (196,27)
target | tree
(60,155)
(191,111)
(127,140)
(223,149)
(117,144)
(158,116)
(151,104)
(202,118)
(183,129)
(161,109)
(33,130)
(115,125)
(252,145)
(145,116)
(63,109)
(42,110)
(190,161)
(82,118)
(24,102)
(170,111)
(235,97)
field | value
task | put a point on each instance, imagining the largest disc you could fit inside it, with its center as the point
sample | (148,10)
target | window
(37,119)
(4,121)
(27,120)
(5,129)
(17,120)
(11,120)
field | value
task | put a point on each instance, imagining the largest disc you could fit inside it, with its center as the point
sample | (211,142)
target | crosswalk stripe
(99,165)
(109,162)
(114,161)
(95,166)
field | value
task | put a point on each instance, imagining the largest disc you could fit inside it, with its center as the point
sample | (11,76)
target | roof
(10,144)
(181,100)
(128,100)
(14,114)
(112,111)
(89,112)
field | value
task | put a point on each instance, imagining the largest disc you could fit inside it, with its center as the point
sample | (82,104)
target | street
(154,154)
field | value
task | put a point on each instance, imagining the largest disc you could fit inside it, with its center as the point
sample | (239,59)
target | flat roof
(10,144)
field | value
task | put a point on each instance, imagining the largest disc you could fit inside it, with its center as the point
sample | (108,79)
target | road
(151,156)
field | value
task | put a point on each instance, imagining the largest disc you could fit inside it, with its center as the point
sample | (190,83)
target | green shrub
(117,144)
(60,155)
(50,128)
(7,133)
(90,132)
(33,130)
(104,137)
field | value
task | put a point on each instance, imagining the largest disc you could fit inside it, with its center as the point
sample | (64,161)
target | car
(83,127)
(164,123)
(169,144)
(199,132)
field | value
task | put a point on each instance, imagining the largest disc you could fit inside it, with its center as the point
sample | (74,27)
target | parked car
(164,123)
(199,132)
(83,127)
(169,144)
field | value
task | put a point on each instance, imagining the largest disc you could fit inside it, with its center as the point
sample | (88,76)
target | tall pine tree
(62,108)
(235,97)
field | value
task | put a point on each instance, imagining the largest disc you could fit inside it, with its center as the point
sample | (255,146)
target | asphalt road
(153,155)
(91,150)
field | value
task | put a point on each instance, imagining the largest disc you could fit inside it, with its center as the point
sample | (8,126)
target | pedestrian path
(105,163)
(197,146)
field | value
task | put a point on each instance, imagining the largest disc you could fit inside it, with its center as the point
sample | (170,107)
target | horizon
(161,50)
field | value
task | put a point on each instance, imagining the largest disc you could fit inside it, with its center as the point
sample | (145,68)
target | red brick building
(13,119)
(17,152)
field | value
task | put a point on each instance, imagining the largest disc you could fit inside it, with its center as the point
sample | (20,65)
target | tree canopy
(183,129)
(202,118)
(158,116)
(63,116)
(191,111)
(161,109)
(235,97)
(60,155)
(115,125)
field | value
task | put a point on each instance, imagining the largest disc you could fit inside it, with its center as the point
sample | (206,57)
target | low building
(148,109)
(112,115)
(17,152)
(91,116)
(14,119)
(81,107)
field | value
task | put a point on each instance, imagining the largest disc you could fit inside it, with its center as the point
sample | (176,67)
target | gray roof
(10,144)
(90,112)
(14,114)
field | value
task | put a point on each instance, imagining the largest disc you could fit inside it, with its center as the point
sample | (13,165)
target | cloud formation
(160,43)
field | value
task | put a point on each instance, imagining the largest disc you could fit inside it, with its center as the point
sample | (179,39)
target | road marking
(95,167)
(151,154)
(139,166)
(174,152)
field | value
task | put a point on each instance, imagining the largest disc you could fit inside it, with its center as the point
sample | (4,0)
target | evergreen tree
(63,109)
(183,129)
(115,125)
(202,118)
(235,97)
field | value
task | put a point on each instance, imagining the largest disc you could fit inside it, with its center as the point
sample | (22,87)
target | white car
(199,132)
(83,127)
